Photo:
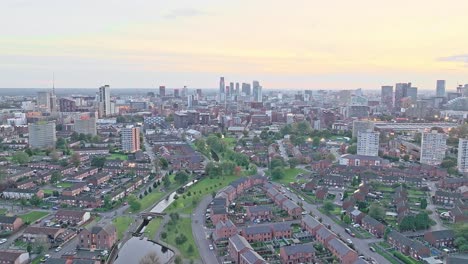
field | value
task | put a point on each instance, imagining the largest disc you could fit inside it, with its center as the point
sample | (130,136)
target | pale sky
(301,44)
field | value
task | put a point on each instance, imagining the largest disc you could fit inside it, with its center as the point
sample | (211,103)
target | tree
(406,157)
(376,211)
(277,173)
(134,203)
(150,258)
(347,219)
(54,155)
(180,239)
(61,143)
(213,170)
(166,181)
(293,162)
(23,203)
(228,167)
(20,157)
(178,260)
(75,159)
(56,177)
(328,207)
(164,163)
(352,149)
(35,200)
(98,161)
(423,203)
(276,162)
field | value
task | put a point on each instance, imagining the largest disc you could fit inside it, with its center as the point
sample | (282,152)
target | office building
(412,92)
(440,88)
(433,147)
(386,97)
(231,88)
(257,92)
(42,135)
(67,105)
(237,88)
(176,93)
(44,100)
(368,143)
(401,91)
(130,139)
(246,89)
(199,94)
(361,126)
(162,91)
(86,125)
(184,91)
(462,161)
(104,101)
(222,86)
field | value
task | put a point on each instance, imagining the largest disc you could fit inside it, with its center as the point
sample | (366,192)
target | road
(282,150)
(200,232)
(361,245)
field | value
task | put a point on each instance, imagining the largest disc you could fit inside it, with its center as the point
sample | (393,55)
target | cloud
(455,58)
(183,12)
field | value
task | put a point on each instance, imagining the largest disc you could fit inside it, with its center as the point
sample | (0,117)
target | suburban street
(200,232)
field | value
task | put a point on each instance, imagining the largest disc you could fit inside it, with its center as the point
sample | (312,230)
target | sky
(296,44)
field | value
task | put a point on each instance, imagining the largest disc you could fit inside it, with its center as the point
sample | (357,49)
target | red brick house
(310,224)
(295,254)
(355,215)
(99,178)
(98,237)
(321,193)
(10,223)
(72,217)
(409,247)
(281,230)
(292,208)
(257,233)
(9,256)
(441,238)
(344,254)
(218,213)
(224,230)
(76,189)
(237,245)
(251,257)
(373,226)
(259,212)
(323,235)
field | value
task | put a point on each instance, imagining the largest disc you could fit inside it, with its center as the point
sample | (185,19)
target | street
(200,232)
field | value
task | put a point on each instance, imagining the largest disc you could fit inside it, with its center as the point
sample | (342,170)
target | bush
(163,235)
(180,239)
(404,258)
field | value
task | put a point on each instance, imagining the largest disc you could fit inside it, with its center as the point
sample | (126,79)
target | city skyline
(305,45)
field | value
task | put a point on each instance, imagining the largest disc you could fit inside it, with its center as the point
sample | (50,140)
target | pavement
(200,232)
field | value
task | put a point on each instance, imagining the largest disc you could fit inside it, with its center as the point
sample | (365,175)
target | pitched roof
(324,232)
(309,221)
(371,221)
(10,256)
(443,234)
(250,256)
(71,213)
(7,219)
(239,242)
(340,247)
(301,248)
(252,230)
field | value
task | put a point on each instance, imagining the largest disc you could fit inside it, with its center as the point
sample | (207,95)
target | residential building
(9,256)
(10,223)
(72,217)
(296,254)
(104,102)
(368,143)
(130,139)
(86,125)
(42,135)
(362,126)
(237,245)
(462,161)
(373,226)
(344,254)
(441,238)
(433,147)
(98,237)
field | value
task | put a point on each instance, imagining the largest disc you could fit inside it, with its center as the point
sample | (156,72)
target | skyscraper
(401,91)
(237,88)
(176,93)
(257,92)
(361,126)
(42,135)
(433,147)
(440,89)
(462,161)
(386,97)
(104,101)
(44,100)
(368,143)
(130,139)
(246,88)
(184,91)
(413,93)
(222,86)
(162,91)
(231,88)
(86,125)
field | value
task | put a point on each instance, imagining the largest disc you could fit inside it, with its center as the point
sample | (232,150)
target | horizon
(308,45)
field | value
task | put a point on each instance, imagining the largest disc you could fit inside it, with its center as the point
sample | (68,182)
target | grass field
(153,227)
(32,216)
(48,191)
(121,224)
(183,226)
(290,175)
(118,156)
(3,211)
(198,190)
(64,184)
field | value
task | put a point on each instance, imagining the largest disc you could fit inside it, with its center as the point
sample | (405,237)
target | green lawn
(48,191)
(118,156)
(153,227)
(64,184)
(290,175)
(386,255)
(183,226)
(197,191)
(3,211)
(150,199)
(121,224)
(32,216)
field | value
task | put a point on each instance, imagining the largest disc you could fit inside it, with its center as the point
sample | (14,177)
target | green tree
(20,157)
(376,211)
(352,149)
(277,173)
(61,143)
(98,161)
(75,159)
(423,203)
(276,162)
(164,163)
(328,207)
(35,200)
(166,181)
(56,177)
(23,203)
(293,162)
(178,260)
(347,219)
(181,177)
(228,167)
